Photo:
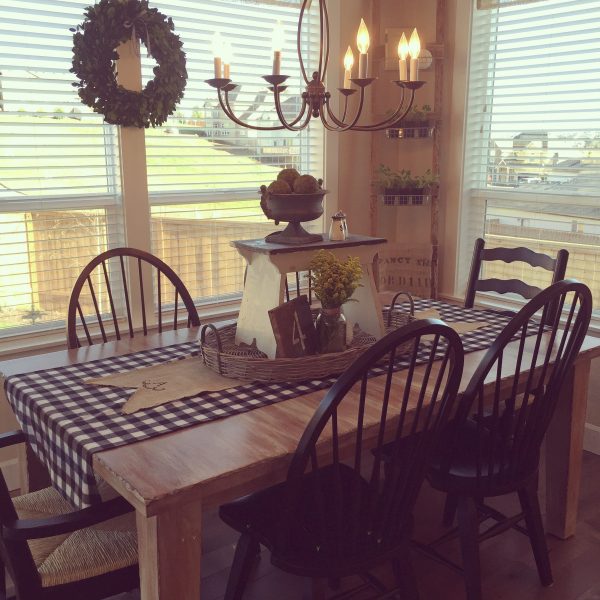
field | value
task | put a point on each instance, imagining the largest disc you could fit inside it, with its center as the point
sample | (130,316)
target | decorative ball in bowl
(295,199)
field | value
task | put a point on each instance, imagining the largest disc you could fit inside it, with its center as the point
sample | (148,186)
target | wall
(349,153)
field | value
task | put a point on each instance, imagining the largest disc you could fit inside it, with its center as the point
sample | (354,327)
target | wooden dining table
(173,478)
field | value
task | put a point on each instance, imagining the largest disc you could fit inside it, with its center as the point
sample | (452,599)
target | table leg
(564,452)
(169,547)
(33,474)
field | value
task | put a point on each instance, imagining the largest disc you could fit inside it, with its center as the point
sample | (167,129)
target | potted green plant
(403,183)
(416,122)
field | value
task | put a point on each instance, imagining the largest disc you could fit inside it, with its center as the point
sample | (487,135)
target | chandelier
(316,100)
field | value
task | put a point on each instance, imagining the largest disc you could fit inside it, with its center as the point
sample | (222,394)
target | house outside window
(532,144)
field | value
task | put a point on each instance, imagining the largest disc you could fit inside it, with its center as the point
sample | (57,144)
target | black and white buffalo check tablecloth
(66,421)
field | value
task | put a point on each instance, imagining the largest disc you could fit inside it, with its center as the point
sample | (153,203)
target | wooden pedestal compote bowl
(294,208)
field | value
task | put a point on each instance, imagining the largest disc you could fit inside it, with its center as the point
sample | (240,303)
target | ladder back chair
(557,266)
(108,287)
(53,552)
(494,449)
(336,514)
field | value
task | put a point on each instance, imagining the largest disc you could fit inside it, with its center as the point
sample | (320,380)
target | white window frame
(473,204)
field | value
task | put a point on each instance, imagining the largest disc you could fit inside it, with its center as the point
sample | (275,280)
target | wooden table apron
(171,478)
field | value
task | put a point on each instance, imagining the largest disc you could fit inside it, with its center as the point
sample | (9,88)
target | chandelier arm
(326,40)
(392,121)
(291,126)
(328,126)
(341,126)
(345,108)
(298,118)
(299,40)
(226,108)
(321,39)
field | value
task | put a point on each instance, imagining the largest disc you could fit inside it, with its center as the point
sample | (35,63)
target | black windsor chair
(494,447)
(108,270)
(336,515)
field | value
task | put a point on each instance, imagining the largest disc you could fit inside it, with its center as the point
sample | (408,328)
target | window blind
(59,166)
(534,115)
(532,161)
(487,4)
(204,172)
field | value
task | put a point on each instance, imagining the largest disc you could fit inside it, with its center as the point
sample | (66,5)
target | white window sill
(55,338)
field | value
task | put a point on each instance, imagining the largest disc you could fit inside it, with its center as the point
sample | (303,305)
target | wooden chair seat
(82,554)
(260,514)
(475,453)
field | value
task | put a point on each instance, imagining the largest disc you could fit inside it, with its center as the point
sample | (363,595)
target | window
(60,170)
(204,172)
(532,162)
(59,183)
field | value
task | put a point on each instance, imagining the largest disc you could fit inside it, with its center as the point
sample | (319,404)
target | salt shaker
(338,229)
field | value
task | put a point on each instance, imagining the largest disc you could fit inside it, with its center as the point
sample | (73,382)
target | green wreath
(109,23)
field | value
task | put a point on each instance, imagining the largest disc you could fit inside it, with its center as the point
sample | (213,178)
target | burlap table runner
(458,326)
(189,377)
(156,385)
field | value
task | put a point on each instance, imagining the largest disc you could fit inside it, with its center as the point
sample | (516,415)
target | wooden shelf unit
(434,125)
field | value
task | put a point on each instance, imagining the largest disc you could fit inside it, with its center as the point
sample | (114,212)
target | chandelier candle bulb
(348,64)
(217,44)
(414,49)
(278,40)
(402,55)
(227,59)
(277,62)
(313,101)
(217,67)
(363,41)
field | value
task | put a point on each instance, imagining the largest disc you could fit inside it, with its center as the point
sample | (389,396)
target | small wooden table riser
(264,289)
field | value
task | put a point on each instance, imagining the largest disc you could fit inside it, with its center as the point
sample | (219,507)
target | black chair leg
(314,589)
(450,507)
(2,581)
(468,530)
(334,583)
(405,575)
(245,555)
(533,518)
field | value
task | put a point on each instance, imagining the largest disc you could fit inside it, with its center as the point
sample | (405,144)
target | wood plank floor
(508,567)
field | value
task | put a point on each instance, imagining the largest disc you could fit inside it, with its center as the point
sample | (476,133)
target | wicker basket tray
(248,363)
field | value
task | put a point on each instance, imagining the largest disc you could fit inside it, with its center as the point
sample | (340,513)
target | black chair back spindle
(355,513)
(508,425)
(299,287)
(110,270)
